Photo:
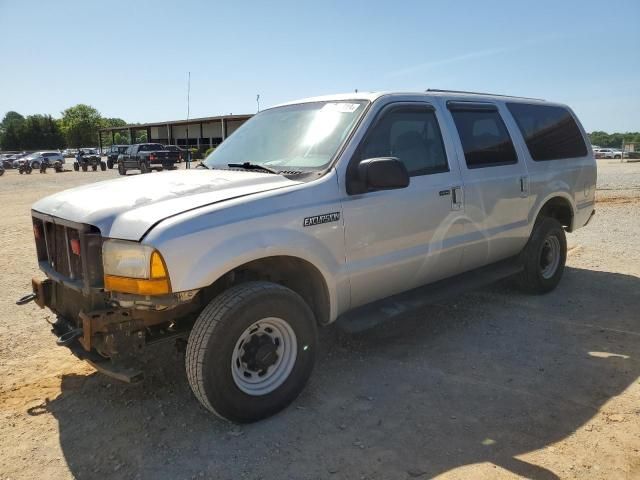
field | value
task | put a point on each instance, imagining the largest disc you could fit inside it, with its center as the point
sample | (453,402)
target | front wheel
(544,257)
(76,166)
(144,167)
(121,169)
(103,166)
(251,351)
(110,164)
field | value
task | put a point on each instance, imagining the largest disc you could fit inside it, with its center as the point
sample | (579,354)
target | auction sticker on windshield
(340,107)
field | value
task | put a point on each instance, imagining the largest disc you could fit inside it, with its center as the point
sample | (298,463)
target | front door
(495,185)
(399,239)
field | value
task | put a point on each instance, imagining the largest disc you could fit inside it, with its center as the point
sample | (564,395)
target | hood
(127,208)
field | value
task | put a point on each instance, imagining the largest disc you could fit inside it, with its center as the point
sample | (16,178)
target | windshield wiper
(251,166)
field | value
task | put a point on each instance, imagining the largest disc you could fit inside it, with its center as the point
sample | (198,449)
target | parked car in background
(147,157)
(113,153)
(607,153)
(36,159)
(181,151)
(6,160)
(11,160)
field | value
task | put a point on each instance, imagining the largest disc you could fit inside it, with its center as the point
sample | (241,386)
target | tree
(10,131)
(80,125)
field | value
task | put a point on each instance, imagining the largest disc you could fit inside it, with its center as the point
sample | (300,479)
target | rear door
(496,184)
(399,239)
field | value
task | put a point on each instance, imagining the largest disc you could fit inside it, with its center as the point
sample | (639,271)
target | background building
(200,133)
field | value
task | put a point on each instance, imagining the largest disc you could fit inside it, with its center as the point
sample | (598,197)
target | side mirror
(385,173)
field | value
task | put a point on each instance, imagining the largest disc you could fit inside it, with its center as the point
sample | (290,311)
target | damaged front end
(109,330)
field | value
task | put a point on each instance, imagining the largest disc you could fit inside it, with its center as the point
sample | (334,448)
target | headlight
(130,267)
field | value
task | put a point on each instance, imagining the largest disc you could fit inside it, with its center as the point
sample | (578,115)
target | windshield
(302,137)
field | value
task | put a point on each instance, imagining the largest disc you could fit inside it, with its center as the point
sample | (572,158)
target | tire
(76,166)
(217,373)
(103,166)
(616,156)
(144,167)
(544,257)
(94,167)
(109,164)
(84,167)
(122,170)
(35,165)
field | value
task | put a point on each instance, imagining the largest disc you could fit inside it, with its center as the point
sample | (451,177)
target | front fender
(195,271)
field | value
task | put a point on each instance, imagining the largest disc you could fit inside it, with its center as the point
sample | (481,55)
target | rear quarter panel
(573,179)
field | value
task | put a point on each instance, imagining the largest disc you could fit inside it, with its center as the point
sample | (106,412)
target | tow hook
(65,339)
(26,299)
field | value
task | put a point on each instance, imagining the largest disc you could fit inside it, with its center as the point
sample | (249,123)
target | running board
(372,314)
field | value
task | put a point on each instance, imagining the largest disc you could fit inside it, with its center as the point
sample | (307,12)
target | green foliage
(140,136)
(10,131)
(195,154)
(41,132)
(613,140)
(32,133)
(209,151)
(80,125)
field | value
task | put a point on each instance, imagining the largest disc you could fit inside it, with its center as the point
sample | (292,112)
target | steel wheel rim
(256,382)
(549,257)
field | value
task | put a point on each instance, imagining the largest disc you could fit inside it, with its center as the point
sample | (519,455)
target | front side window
(412,135)
(302,137)
(484,137)
(550,132)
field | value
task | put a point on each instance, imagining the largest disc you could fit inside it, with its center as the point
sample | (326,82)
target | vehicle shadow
(485,378)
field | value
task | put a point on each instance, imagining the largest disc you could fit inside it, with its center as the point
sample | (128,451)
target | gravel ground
(495,384)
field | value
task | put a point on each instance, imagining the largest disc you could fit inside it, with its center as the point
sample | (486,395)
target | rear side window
(550,132)
(484,137)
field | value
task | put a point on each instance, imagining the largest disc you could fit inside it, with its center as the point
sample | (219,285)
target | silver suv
(325,208)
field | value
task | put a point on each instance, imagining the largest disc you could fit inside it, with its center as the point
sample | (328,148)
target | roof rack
(437,90)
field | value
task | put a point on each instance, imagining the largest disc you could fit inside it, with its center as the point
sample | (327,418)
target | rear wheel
(251,351)
(35,164)
(103,166)
(544,257)
(76,166)
(110,164)
(144,167)
(122,169)
(84,167)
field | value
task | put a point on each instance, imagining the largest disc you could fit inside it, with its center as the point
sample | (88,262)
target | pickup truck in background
(146,157)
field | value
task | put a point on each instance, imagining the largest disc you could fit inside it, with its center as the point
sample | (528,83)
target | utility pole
(188,104)
(258,101)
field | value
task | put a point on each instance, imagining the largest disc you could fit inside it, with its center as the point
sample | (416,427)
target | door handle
(524,186)
(456,198)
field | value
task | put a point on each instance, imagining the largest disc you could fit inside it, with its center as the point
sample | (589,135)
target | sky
(129,59)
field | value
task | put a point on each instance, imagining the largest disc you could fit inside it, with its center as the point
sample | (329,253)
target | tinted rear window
(151,147)
(550,132)
(484,138)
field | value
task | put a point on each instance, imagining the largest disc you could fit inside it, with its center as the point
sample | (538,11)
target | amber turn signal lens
(138,286)
(158,269)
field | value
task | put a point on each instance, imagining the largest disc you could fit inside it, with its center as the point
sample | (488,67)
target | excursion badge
(320,219)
